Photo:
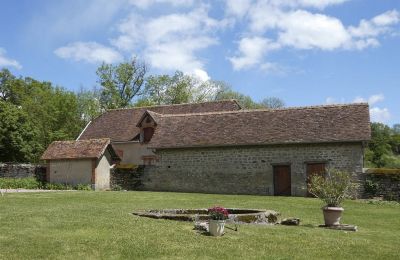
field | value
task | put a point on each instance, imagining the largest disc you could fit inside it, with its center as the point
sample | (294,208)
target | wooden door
(313,169)
(282,180)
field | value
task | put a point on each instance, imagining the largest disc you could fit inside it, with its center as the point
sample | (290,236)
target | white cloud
(297,27)
(375,99)
(91,52)
(238,7)
(320,4)
(202,75)
(372,100)
(378,25)
(251,52)
(332,101)
(8,62)
(381,115)
(314,31)
(377,114)
(170,42)
(147,3)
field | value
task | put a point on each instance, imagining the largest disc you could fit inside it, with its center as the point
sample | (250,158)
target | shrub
(332,188)
(218,213)
(83,187)
(57,186)
(116,188)
(20,183)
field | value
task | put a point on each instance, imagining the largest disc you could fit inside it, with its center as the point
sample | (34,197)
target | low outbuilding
(85,162)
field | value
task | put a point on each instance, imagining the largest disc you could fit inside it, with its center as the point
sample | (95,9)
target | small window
(147,134)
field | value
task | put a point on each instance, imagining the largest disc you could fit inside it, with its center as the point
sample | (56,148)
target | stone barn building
(80,162)
(217,147)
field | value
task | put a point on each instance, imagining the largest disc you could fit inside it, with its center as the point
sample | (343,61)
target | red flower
(218,213)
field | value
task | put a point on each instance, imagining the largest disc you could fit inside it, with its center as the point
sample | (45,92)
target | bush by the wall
(20,183)
(32,183)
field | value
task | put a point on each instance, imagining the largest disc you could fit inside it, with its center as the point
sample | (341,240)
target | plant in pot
(218,215)
(332,188)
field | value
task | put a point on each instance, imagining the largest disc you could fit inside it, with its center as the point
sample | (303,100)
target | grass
(93,225)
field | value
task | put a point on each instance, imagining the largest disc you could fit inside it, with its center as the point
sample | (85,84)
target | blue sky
(306,52)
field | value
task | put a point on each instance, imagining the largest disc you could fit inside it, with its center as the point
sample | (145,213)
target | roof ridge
(81,140)
(172,105)
(265,110)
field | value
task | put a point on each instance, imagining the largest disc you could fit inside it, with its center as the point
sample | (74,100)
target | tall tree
(178,88)
(379,144)
(88,104)
(18,137)
(50,113)
(245,101)
(120,83)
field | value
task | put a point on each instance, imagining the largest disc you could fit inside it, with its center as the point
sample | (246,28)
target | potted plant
(218,215)
(332,188)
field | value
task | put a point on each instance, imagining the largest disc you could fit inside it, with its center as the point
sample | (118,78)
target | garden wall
(127,179)
(21,170)
(383,182)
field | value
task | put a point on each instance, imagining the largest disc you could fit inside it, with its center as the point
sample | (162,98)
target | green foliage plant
(333,188)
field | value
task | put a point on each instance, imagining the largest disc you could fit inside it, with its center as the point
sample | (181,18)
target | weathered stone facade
(127,179)
(20,170)
(246,169)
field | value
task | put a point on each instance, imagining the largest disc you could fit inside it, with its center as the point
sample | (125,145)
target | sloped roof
(318,124)
(120,124)
(81,149)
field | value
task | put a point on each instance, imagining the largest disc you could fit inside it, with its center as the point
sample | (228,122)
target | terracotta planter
(332,215)
(216,227)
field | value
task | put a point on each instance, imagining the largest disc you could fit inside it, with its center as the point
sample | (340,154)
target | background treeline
(35,113)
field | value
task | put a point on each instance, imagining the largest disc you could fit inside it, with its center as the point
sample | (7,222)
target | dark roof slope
(120,124)
(82,149)
(319,124)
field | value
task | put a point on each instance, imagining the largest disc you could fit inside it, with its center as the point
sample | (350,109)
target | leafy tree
(272,102)
(178,88)
(50,113)
(88,104)
(6,79)
(396,129)
(120,83)
(244,100)
(379,144)
(18,137)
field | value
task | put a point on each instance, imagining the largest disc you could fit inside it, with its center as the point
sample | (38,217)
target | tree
(272,102)
(120,83)
(396,129)
(6,79)
(50,113)
(88,104)
(379,144)
(18,137)
(244,100)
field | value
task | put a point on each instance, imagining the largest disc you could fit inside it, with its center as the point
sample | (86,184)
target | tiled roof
(120,124)
(318,124)
(82,149)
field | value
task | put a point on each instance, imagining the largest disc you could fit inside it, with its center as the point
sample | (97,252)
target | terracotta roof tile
(82,149)
(332,123)
(120,124)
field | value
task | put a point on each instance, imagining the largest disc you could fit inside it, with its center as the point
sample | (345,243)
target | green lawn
(95,225)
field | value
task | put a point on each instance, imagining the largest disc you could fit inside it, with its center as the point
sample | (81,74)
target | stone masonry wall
(19,170)
(127,179)
(386,185)
(246,170)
